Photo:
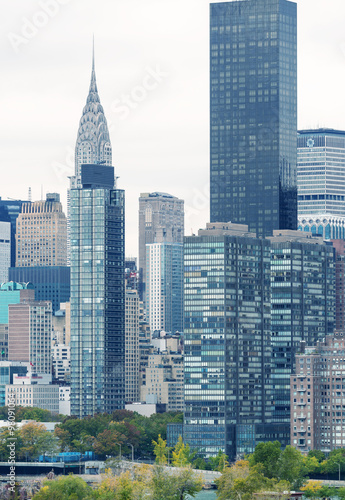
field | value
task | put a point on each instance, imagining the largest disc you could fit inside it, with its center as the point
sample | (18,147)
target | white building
(65,400)
(164,380)
(61,354)
(35,390)
(321,182)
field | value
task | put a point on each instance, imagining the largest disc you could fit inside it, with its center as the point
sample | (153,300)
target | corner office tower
(253,86)
(97,270)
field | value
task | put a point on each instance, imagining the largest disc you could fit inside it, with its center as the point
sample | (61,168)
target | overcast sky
(152,73)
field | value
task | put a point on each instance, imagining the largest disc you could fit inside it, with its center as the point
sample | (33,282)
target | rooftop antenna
(29,195)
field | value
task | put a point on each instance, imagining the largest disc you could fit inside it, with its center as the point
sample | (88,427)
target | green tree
(29,413)
(35,441)
(241,481)
(64,488)
(335,459)
(268,455)
(174,484)
(291,467)
(318,454)
(219,462)
(108,442)
(5,437)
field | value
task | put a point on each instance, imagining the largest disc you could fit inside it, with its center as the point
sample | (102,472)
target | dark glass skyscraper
(302,305)
(97,293)
(227,341)
(253,85)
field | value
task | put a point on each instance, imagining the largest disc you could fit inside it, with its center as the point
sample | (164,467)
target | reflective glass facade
(253,85)
(97,300)
(227,341)
(164,286)
(302,308)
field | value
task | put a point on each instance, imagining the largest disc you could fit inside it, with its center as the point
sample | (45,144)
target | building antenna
(29,195)
(41,191)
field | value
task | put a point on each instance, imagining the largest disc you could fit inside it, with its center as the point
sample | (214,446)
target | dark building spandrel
(253,115)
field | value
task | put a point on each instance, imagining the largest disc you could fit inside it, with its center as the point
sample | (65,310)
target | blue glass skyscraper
(253,98)
(97,293)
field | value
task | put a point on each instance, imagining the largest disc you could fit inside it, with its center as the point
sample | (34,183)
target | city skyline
(162,136)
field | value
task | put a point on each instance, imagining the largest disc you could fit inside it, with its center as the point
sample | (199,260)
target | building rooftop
(225,229)
(321,131)
(156,194)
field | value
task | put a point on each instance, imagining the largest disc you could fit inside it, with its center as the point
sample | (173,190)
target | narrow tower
(97,269)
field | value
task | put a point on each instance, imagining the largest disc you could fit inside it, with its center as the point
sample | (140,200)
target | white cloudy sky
(161,141)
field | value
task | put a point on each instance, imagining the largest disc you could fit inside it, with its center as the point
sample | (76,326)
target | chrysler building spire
(93,142)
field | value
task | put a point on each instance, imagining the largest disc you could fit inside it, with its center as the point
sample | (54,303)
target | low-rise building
(35,390)
(164,379)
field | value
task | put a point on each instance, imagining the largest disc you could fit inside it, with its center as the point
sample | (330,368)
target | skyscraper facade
(9,211)
(339,247)
(253,85)
(41,235)
(5,250)
(227,341)
(161,220)
(97,293)
(164,286)
(132,346)
(321,182)
(302,305)
(29,334)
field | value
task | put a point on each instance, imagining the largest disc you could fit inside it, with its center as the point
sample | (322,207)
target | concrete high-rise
(29,334)
(132,346)
(317,396)
(97,293)
(161,220)
(11,293)
(321,182)
(41,235)
(253,115)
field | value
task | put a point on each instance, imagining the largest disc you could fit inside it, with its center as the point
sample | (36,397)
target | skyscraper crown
(93,141)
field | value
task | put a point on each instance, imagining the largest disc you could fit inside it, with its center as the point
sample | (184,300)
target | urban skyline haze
(152,70)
